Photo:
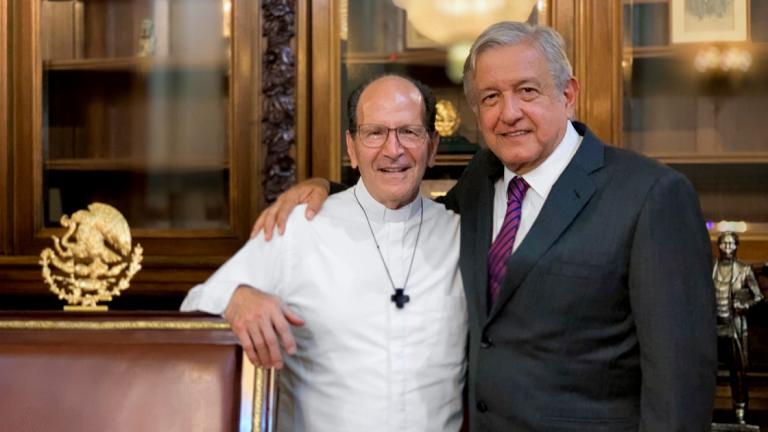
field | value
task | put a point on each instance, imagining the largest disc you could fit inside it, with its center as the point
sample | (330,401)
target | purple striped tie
(502,246)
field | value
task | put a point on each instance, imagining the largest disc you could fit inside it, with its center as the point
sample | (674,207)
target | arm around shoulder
(312,192)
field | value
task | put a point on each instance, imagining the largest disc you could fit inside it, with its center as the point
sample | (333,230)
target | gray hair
(506,33)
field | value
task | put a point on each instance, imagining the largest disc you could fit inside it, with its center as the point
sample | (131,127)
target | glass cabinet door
(695,97)
(142,105)
(134,110)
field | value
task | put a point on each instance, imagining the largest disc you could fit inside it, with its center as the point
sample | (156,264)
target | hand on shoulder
(312,192)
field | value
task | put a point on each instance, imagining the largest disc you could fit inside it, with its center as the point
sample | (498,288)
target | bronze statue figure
(736,290)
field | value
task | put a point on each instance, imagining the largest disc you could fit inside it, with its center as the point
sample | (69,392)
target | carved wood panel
(278,96)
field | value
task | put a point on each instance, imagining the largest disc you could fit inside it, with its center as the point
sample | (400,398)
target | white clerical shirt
(540,181)
(361,364)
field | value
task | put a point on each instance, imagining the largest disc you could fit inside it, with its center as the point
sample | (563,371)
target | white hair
(506,33)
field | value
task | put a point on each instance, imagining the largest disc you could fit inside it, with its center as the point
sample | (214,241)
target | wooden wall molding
(25,117)
(5,173)
(278,96)
(592,31)
(598,66)
(326,90)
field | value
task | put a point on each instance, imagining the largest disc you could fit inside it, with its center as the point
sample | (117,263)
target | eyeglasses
(409,136)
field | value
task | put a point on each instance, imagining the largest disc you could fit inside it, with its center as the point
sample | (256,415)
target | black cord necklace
(398,298)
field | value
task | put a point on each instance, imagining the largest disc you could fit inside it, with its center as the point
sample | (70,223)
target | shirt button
(486,342)
(482,407)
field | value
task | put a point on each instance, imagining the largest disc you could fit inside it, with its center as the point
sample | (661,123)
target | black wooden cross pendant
(399,298)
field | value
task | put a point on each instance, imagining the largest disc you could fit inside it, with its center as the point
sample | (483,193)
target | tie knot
(516,189)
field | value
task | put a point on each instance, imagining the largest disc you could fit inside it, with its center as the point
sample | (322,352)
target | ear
(434,142)
(351,150)
(571,95)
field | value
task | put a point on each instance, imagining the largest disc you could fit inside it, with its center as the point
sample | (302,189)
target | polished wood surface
(128,371)
(326,91)
(303,89)
(5,174)
(600,69)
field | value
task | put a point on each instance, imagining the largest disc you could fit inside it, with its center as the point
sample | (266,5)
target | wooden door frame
(5,122)
(326,90)
(596,60)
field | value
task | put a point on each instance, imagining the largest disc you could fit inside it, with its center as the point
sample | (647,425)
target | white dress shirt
(540,179)
(361,363)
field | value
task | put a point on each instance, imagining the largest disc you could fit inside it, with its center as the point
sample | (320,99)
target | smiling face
(391,173)
(521,113)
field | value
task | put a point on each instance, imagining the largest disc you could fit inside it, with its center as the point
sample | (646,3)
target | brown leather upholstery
(159,380)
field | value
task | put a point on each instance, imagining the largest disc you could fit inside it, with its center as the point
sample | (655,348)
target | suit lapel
(570,193)
(481,238)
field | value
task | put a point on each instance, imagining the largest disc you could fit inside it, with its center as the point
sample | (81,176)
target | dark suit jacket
(606,317)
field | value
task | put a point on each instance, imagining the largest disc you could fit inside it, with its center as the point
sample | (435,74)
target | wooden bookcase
(699,107)
(147,105)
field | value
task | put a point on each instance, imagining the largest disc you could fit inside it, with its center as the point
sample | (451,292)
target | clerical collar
(399,297)
(378,213)
(543,177)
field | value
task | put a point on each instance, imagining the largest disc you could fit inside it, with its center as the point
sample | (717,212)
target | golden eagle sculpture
(94,260)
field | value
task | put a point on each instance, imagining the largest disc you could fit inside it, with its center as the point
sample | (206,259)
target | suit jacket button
(482,407)
(486,342)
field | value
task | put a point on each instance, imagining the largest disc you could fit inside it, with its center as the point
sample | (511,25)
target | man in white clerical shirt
(367,297)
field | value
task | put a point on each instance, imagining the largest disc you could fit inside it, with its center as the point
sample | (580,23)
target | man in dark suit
(588,280)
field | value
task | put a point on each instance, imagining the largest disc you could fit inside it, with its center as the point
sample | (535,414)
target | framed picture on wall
(709,20)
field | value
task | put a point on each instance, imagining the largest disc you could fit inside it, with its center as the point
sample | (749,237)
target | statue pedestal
(732,427)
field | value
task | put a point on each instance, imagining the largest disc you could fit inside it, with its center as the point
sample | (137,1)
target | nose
(510,108)
(392,147)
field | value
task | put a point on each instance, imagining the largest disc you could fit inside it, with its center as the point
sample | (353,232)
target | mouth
(393,170)
(515,134)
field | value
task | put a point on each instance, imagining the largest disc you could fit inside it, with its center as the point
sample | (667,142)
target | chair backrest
(128,372)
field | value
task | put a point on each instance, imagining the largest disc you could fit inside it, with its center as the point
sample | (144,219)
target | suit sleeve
(337,187)
(673,304)
(452,200)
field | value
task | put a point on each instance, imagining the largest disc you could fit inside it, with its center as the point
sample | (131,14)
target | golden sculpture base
(77,308)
